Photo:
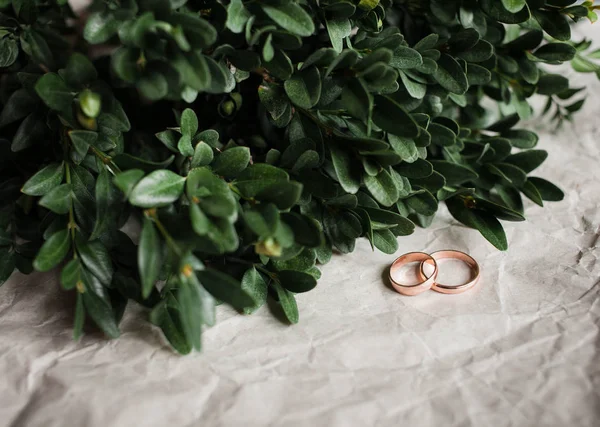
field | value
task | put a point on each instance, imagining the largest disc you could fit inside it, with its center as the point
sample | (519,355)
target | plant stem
(110,165)
(72,224)
(165,233)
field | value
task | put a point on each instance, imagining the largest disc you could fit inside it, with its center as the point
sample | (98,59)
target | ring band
(461,256)
(418,288)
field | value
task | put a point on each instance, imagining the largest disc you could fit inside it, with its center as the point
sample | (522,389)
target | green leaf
(9,50)
(513,6)
(212,193)
(405,58)
(263,220)
(496,11)
(79,70)
(19,105)
(552,84)
(405,148)
(44,180)
(304,88)
(203,155)
(441,135)
(149,257)
(274,99)
(96,259)
(7,264)
(71,274)
(224,287)
(510,173)
(258,177)
(185,146)
(126,181)
(52,251)
(532,193)
(291,17)
(82,139)
(232,161)
(391,117)
(159,188)
(528,160)
(58,200)
(554,23)
(307,232)
(255,286)
(385,241)
(36,46)
(481,52)
(338,29)
(284,194)
(455,174)
(237,16)
(108,205)
(101,313)
(31,132)
(167,318)
(346,168)
(414,89)
(54,92)
(555,52)
(191,302)
(423,203)
(5,238)
(200,222)
(100,27)
(197,30)
(450,75)
(547,190)
(297,281)
(189,123)
(520,138)
(287,302)
(356,99)
(486,223)
(79,318)
(153,85)
(382,187)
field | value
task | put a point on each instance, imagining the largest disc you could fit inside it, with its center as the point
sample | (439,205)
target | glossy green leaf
(58,200)
(54,92)
(224,287)
(291,17)
(96,258)
(382,188)
(149,257)
(126,181)
(304,88)
(287,302)
(255,286)
(391,117)
(231,162)
(45,180)
(296,281)
(159,188)
(482,221)
(52,251)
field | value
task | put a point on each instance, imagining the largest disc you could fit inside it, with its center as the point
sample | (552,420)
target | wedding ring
(461,256)
(417,288)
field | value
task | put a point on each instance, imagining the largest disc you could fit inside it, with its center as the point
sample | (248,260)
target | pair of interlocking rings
(430,282)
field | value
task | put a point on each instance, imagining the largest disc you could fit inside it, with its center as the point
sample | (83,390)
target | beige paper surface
(522,349)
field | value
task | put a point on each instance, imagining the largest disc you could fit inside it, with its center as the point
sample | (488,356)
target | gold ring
(417,288)
(461,256)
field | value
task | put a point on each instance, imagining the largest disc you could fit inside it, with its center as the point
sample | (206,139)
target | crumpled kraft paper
(521,349)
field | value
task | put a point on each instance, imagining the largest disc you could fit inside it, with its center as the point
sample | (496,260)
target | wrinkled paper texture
(521,349)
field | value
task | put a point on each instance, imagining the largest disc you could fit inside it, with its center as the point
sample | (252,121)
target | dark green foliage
(251,139)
